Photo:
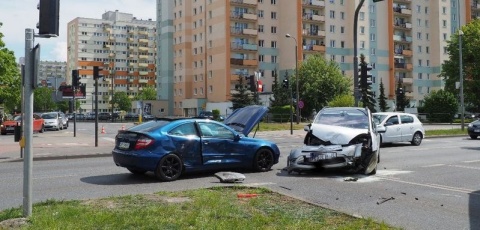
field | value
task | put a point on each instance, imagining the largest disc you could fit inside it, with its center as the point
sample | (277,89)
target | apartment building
(122,45)
(207,45)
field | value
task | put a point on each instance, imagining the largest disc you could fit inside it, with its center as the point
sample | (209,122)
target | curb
(60,157)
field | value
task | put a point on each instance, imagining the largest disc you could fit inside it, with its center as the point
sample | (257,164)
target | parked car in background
(339,137)
(206,114)
(90,116)
(64,120)
(104,116)
(399,127)
(80,116)
(474,129)
(8,126)
(131,116)
(53,120)
(147,117)
(170,147)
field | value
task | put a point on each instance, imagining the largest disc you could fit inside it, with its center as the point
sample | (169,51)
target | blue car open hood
(244,119)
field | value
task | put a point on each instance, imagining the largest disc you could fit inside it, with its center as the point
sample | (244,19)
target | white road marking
(434,165)
(109,139)
(437,186)
(465,167)
(474,161)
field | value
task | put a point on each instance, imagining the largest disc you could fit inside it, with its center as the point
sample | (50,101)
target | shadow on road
(474,210)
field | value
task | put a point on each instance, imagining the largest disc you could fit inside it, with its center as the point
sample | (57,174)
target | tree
(10,80)
(148,93)
(368,98)
(382,99)
(402,102)
(441,106)
(43,100)
(345,100)
(471,69)
(320,82)
(122,101)
(242,97)
(63,106)
(281,95)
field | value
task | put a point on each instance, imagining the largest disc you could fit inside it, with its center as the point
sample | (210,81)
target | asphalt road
(432,186)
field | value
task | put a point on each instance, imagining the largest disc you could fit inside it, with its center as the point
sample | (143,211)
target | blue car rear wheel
(169,168)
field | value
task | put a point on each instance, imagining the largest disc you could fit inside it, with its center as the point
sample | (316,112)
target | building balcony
(408,53)
(111,54)
(315,33)
(131,56)
(243,62)
(107,29)
(143,56)
(143,73)
(143,81)
(130,40)
(131,64)
(318,48)
(314,3)
(130,31)
(111,38)
(235,15)
(318,18)
(247,47)
(402,10)
(402,38)
(130,80)
(142,40)
(243,31)
(244,2)
(145,65)
(408,81)
(409,66)
(143,32)
(409,95)
(143,48)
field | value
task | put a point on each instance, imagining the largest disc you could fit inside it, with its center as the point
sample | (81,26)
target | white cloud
(16,15)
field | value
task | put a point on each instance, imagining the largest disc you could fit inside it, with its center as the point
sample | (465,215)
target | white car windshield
(352,118)
(378,118)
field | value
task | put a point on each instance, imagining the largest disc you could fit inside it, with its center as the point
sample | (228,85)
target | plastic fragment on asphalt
(230,177)
(350,179)
(385,200)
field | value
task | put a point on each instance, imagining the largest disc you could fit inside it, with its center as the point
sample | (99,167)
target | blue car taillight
(143,143)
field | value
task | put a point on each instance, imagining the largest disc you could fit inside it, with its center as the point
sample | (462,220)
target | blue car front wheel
(169,168)
(263,160)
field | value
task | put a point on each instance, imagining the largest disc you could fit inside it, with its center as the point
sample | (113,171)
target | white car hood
(336,134)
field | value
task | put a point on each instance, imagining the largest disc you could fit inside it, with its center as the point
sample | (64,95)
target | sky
(17,15)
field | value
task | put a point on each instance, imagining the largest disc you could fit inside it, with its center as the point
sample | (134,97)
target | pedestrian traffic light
(48,20)
(252,83)
(75,78)
(285,84)
(96,72)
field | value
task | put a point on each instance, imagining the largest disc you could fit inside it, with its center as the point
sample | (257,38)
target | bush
(216,114)
(441,106)
(280,113)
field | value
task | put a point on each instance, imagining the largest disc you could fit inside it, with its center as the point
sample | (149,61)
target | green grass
(264,126)
(214,208)
(445,132)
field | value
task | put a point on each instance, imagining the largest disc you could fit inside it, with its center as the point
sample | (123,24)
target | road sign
(300,104)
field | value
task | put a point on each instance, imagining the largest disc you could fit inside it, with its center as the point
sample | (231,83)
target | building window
(332,14)
(273,15)
(273,44)
(261,43)
(273,59)
(261,58)
(273,2)
(260,28)
(274,29)
(260,14)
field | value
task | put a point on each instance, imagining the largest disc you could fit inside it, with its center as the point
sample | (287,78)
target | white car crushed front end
(329,146)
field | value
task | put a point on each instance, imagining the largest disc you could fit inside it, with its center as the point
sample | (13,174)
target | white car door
(393,131)
(408,128)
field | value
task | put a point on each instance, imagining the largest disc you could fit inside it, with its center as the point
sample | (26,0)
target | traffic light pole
(74,113)
(28,124)
(355,54)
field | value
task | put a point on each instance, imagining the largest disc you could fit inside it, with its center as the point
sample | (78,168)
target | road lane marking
(434,165)
(465,167)
(473,161)
(436,186)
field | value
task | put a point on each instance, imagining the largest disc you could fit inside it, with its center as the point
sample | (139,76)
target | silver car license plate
(124,145)
(314,157)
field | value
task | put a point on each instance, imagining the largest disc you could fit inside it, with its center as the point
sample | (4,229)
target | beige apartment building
(122,45)
(206,45)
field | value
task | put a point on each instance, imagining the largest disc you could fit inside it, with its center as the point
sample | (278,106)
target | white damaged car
(339,137)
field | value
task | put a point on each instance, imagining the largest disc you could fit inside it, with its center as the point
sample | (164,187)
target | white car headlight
(470,125)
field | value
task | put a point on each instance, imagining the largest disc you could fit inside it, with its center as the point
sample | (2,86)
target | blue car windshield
(149,126)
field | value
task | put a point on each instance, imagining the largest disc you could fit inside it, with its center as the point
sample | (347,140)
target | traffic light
(96,72)
(75,78)
(48,20)
(253,83)
(365,82)
(285,84)
(365,76)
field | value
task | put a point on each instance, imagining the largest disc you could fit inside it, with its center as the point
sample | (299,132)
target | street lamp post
(462,106)
(296,75)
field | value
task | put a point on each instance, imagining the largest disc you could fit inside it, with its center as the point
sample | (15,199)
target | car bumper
(474,131)
(308,158)
(51,126)
(143,161)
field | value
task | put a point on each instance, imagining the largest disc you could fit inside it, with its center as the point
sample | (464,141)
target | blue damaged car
(171,147)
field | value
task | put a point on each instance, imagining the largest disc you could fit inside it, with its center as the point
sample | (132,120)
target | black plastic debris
(350,179)
(385,200)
